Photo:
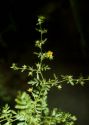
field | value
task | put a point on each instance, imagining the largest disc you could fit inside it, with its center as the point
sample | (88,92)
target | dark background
(68,36)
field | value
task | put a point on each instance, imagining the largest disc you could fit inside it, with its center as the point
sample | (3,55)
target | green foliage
(31,106)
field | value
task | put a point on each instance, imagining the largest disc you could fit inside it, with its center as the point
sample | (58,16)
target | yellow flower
(49,54)
(30,89)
